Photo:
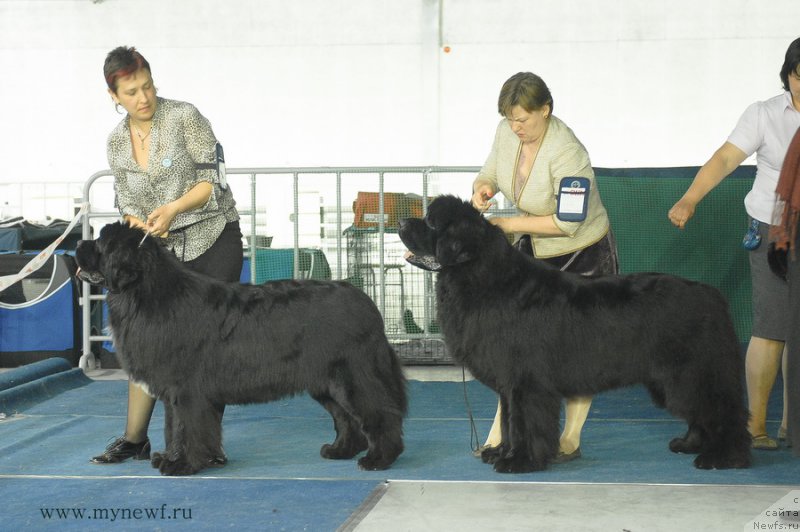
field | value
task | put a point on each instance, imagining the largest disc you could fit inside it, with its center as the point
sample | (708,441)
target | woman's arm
(724,161)
(200,142)
(534,225)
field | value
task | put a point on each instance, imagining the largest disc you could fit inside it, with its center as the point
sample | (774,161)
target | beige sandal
(477,452)
(763,442)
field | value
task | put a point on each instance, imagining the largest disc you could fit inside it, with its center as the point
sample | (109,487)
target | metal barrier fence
(341,224)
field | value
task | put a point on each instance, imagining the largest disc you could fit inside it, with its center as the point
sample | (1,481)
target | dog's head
(450,234)
(112,259)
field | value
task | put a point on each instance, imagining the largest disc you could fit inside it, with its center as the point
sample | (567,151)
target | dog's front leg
(169,437)
(196,435)
(532,431)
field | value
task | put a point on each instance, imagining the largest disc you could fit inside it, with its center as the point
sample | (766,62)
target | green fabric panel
(708,250)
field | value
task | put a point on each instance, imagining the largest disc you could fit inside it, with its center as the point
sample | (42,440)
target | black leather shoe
(121,449)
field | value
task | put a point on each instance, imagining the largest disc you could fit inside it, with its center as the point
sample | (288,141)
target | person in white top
(765,128)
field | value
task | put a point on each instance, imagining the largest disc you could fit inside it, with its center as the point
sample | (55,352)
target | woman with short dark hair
(163,155)
(765,128)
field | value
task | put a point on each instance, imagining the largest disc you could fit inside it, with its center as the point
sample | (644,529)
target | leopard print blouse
(180,138)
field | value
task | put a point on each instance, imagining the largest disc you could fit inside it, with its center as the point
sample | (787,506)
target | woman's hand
(135,222)
(681,212)
(481,196)
(159,220)
(723,162)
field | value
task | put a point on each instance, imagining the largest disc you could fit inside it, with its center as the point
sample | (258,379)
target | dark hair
(120,62)
(791,62)
(525,89)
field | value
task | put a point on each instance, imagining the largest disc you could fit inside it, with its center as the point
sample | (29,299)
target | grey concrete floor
(510,506)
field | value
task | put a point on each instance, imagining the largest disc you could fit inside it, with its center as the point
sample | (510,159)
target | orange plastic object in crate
(395,206)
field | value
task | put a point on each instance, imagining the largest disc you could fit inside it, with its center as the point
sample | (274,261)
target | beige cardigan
(560,155)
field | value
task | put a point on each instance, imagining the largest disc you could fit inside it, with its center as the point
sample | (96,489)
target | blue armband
(573,199)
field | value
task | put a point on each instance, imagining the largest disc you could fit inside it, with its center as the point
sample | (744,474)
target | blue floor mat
(273,452)
(192,503)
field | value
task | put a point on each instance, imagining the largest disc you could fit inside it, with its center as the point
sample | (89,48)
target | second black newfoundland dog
(199,344)
(535,335)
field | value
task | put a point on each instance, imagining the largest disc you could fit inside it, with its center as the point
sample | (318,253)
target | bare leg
(761,368)
(495,435)
(140,408)
(784,372)
(577,411)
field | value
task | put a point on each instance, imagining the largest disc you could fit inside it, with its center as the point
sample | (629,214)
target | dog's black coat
(535,335)
(199,344)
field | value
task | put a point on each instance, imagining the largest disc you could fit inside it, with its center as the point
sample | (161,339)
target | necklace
(142,137)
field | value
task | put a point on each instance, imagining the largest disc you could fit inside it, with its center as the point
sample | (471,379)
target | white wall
(367,82)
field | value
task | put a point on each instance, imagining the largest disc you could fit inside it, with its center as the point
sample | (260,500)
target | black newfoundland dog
(535,335)
(199,344)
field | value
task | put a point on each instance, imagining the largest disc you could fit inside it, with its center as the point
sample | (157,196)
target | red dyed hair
(121,62)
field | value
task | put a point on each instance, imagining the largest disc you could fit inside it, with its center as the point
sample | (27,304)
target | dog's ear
(457,244)
(118,266)
(121,278)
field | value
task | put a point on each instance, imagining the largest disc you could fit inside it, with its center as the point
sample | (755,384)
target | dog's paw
(682,445)
(705,461)
(176,468)
(338,453)
(716,461)
(370,463)
(517,464)
(219,460)
(156,459)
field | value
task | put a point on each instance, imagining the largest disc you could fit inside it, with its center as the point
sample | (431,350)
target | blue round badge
(166,163)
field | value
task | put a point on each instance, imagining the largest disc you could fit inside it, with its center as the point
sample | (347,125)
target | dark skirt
(223,260)
(599,258)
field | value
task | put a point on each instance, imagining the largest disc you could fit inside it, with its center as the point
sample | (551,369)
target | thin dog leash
(474,441)
(183,251)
